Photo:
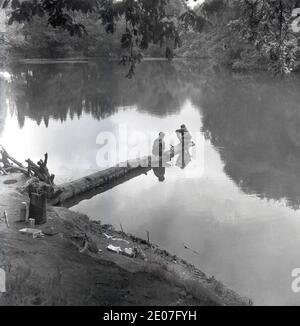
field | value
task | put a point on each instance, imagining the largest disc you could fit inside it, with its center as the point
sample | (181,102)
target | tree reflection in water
(252,120)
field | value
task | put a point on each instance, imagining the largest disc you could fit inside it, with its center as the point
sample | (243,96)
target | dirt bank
(56,270)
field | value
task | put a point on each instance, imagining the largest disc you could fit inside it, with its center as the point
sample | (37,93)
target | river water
(236,204)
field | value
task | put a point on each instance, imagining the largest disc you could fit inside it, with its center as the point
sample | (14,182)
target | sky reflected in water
(240,212)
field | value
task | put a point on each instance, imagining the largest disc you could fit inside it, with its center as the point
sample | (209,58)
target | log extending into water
(97,182)
(73,192)
(106,179)
(89,186)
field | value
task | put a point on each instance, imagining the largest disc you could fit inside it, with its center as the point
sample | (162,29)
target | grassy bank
(73,266)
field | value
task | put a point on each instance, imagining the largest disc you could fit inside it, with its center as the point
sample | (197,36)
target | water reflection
(254,123)
(160,173)
(240,213)
(44,92)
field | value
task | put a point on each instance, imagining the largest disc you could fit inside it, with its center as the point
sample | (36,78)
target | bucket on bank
(38,208)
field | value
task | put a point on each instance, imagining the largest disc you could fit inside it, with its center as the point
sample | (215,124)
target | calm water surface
(237,205)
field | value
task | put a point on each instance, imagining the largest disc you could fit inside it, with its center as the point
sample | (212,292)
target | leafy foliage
(266,25)
(146,21)
(250,34)
(35,39)
(241,34)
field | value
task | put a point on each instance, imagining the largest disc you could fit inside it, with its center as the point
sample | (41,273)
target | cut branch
(6,158)
(39,170)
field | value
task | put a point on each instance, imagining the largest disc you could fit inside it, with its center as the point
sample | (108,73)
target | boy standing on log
(159,147)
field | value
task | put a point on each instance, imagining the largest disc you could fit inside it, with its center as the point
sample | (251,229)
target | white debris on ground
(115,239)
(112,248)
(34,233)
(135,252)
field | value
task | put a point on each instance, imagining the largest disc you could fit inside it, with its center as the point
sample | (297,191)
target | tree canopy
(146,21)
(238,33)
(267,25)
(250,34)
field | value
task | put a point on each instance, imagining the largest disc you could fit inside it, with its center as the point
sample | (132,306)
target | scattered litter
(34,233)
(129,252)
(115,239)
(114,249)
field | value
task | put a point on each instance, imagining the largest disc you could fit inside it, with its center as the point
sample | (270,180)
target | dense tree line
(241,34)
(138,24)
(248,34)
(266,25)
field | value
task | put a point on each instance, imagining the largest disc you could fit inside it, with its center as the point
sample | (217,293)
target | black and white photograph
(149,155)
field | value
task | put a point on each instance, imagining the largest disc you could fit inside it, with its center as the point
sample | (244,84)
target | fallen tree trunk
(72,190)
(104,186)
(97,182)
